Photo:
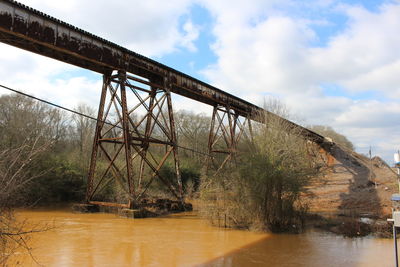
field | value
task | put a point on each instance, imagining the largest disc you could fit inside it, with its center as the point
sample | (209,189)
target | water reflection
(185,240)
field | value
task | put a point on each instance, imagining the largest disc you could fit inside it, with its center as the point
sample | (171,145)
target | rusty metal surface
(97,136)
(32,30)
(226,131)
(123,149)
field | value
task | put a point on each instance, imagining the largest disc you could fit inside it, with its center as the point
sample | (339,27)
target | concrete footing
(148,208)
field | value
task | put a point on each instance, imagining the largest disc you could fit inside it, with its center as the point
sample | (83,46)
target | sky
(331,62)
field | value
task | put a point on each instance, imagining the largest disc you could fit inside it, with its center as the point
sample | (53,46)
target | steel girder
(226,131)
(134,124)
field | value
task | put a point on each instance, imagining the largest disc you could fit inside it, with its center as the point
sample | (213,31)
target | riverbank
(341,225)
(351,226)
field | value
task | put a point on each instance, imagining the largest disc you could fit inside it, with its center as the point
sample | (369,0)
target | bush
(263,190)
(60,182)
(190,177)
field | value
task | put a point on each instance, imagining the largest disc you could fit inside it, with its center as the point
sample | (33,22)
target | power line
(85,115)
(50,103)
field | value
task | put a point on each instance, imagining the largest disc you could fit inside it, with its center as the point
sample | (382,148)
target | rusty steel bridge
(135,115)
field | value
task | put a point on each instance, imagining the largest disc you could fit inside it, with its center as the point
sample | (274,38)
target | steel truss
(135,120)
(227,129)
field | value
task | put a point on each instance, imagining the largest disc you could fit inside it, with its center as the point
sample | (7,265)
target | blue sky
(331,62)
(192,62)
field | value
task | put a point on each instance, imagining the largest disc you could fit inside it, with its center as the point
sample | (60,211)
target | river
(185,240)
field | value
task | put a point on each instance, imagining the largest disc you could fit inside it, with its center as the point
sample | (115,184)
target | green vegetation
(264,191)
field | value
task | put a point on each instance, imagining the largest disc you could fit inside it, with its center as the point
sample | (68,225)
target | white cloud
(369,114)
(385,79)
(191,34)
(274,55)
(182,103)
(44,78)
(148,27)
(261,58)
(370,41)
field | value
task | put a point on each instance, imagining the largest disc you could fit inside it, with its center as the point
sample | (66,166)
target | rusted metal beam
(104,174)
(147,132)
(132,136)
(174,139)
(126,134)
(225,136)
(97,136)
(155,173)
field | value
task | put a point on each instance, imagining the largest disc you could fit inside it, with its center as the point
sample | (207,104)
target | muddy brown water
(186,240)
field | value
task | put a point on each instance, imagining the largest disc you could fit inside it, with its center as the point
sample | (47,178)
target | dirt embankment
(353,185)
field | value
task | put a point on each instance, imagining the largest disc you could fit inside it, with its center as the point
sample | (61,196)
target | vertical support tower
(134,137)
(227,129)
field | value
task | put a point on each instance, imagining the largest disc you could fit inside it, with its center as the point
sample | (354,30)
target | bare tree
(193,130)
(84,127)
(83,130)
(15,175)
(23,121)
(27,130)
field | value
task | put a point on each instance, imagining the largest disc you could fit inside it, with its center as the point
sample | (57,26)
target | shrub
(263,190)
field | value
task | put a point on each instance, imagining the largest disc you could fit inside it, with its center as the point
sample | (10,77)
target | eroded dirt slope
(353,185)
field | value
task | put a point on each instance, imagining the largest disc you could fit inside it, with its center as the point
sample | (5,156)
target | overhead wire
(85,115)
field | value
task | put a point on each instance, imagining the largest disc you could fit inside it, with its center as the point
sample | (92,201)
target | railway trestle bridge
(135,114)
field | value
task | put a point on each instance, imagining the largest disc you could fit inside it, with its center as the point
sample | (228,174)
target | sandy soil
(353,185)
